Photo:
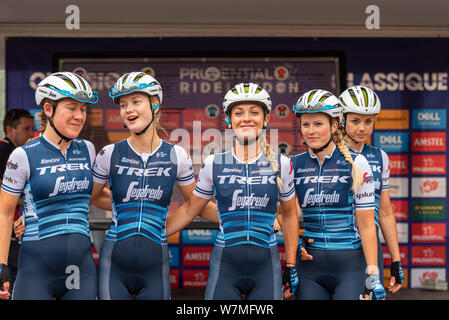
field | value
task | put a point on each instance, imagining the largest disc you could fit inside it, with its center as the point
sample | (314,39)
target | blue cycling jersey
(55,187)
(327,202)
(141,189)
(378,161)
(247,197)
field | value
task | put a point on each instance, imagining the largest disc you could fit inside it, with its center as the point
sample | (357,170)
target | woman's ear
(48,109)
(335,125)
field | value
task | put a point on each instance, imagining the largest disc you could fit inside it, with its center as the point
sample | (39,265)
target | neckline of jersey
(143,154)
(251,162)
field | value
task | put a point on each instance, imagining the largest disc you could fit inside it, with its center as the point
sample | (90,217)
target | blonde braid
(271,158)
(341,145)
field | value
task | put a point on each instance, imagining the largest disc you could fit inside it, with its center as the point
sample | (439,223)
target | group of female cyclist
(343,202)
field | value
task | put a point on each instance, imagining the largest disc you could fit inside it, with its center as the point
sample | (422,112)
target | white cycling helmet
(62,85)
(246,92)
(136,82)
(361,100)
(317,100)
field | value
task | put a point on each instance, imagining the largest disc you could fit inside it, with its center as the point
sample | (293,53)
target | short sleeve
(185,175)
(17,172)
(102,165)
(385,171)
(205,185)
(288,188)
(364,196)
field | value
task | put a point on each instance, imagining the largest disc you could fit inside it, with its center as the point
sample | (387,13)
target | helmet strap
(316,151)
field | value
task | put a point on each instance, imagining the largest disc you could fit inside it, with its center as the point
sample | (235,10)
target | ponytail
(341,145)
(271,158)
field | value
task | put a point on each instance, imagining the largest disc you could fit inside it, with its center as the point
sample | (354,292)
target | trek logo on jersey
(240,202)
(139,172)
(321,179)
(142,193)
(63,167)
(231,179)
(312,199)
(69,186)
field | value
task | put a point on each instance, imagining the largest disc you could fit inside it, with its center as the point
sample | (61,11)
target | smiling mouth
(132,118)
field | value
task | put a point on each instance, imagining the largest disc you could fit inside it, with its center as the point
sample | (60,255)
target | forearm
(6,222)
(103,200)
(210,212)
(182,216)
(390,233)
(291,235)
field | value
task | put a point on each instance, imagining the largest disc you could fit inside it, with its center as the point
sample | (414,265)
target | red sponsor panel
(191,115)
(428,256)
(428,232)
(400,209)
(196,256)
(282,255)
(403,250)
(113,119)
(398,164)
(174,278)
(429,141)
(282,117)
(194,278)
(428,164)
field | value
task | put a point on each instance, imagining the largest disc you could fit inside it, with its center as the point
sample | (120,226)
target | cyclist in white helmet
(335,191)
(142,172)
(52,175)
(247,181)
(360,106)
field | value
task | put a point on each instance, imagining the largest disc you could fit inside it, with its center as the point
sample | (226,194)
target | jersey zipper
(141,201)
(68,192)
(319,204)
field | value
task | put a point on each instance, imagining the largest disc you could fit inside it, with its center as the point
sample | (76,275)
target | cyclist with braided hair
(52,175)
(247,182)
(335,191)
(360,105)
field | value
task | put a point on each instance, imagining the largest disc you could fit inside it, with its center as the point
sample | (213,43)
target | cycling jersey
(134,258)
(247,196)
(327,201)
(379,163)
(244,260)
(141,187)
(55,187)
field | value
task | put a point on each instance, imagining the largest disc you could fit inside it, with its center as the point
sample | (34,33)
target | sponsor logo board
(196,256)
(429,119)
(428,164)
(428,141)
(194,278)
(398,164)
(392,119)
(428,209)
(391,141)
(173,256)
(428,255)
(199,236)
(420,275)
(428,232)
(429,187)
